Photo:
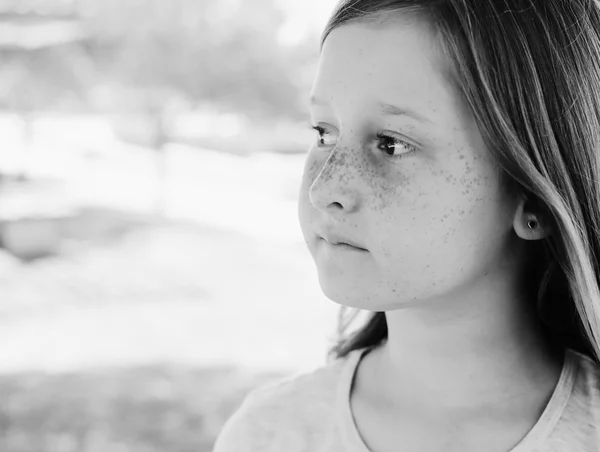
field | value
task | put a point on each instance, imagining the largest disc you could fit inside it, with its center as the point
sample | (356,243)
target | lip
(335,239)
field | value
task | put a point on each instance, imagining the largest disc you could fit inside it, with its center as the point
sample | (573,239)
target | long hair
(530,73)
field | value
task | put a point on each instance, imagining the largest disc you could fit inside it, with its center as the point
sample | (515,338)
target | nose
(334,189)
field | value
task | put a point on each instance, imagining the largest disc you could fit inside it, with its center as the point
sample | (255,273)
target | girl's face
(399,168)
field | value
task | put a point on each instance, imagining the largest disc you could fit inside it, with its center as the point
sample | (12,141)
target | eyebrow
(392,110)
(385,109)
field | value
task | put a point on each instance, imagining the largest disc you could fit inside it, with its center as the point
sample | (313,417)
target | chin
(346,295)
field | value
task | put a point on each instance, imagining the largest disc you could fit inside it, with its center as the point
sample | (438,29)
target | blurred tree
(222,52)
(43,65)
(42,62)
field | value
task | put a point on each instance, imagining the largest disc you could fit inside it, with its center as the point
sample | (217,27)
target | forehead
(397,62)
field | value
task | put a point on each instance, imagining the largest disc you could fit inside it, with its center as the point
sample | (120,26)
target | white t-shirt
(311,412)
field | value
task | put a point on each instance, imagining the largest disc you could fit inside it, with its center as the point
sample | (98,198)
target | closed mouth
(344,243)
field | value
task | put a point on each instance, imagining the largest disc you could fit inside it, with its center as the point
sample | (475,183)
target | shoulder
(579,425)
(286,411)
(586,389)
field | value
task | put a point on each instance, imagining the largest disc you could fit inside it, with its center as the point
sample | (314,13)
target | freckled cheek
(415,200)
(465,206)
(395,193)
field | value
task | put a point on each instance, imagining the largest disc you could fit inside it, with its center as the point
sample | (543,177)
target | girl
(453,191)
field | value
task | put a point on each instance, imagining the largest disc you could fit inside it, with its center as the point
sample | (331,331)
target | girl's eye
(394,147)
(325,137)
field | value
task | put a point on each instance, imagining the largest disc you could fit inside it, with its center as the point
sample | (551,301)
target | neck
(480,348)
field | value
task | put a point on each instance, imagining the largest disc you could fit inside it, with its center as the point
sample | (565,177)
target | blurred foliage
(148,55)
(146,409)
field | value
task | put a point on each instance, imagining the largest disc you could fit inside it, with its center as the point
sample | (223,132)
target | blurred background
(152,269)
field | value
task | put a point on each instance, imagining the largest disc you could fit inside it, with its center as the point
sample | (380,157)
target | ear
(523,218)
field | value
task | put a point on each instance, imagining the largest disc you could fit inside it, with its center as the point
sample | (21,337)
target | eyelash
(319,129)
(381,136)
(411,149)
